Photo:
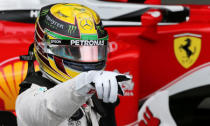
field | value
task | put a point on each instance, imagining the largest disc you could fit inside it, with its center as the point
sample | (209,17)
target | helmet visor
(79,50)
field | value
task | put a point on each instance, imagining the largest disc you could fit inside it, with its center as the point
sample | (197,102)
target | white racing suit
(39,105)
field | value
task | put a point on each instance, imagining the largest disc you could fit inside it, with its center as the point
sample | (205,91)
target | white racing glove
(104,83)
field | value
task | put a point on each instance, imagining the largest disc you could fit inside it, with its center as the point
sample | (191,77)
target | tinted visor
(78,50)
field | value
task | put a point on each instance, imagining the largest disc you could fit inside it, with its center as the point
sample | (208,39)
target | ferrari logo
(187,48)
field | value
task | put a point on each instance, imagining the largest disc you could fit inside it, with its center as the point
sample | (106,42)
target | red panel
(154,63)
(155,2)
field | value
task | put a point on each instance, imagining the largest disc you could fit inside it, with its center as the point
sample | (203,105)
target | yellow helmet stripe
(71,72)
(48,70)
(53,65)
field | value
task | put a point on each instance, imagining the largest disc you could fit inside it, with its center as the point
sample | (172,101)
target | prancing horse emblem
(187,48)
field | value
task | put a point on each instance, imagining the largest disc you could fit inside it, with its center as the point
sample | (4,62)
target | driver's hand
(104,83)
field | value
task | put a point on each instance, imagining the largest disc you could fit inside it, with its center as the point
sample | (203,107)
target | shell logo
(12,73)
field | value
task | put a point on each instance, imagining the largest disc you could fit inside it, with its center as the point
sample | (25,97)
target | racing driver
(72,88)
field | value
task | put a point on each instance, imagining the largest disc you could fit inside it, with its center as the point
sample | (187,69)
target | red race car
(164,47)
